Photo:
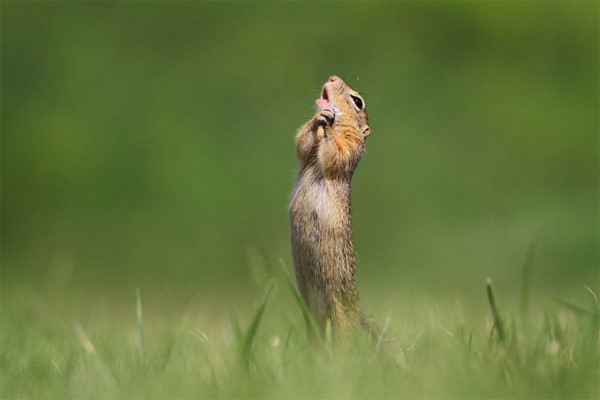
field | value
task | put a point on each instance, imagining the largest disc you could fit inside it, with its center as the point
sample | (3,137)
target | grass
(444,350)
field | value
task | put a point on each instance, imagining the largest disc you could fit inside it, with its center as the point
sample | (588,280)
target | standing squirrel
(328,148)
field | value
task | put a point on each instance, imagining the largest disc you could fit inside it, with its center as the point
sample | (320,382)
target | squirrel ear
(366,131)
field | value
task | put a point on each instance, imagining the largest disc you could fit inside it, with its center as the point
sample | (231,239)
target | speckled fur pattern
(329,147)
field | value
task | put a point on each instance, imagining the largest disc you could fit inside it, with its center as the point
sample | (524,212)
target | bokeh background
(150,144)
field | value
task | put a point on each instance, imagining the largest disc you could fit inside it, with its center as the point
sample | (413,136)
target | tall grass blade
(526,276)
(576,309)
(589,289)
(237,330)
(139,318)
(86,343)
(328,338)
(328,333)
(382,335)
(313,327)
(495,315)
(253,327)
(100,368)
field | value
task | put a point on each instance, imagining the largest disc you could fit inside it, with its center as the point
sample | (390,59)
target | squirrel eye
(358,101)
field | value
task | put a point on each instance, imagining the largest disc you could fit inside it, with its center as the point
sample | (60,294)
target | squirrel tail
(389,345)
(371,326)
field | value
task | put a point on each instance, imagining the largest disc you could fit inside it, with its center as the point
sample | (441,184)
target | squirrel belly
(328,148)
(322,250)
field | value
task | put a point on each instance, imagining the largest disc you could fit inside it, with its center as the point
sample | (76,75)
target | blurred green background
(150,144)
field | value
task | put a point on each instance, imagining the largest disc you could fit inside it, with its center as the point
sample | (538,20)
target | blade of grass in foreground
(253,328)
(237,330)
(575,309)
(139,325)
(312,323)
(495,315)
(101,370)
(589,289)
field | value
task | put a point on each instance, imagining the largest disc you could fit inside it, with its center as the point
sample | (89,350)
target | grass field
(150,145)
(107,349)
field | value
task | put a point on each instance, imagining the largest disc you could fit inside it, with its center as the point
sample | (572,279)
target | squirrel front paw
(324,117)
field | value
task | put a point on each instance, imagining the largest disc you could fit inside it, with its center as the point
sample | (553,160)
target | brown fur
(328,148)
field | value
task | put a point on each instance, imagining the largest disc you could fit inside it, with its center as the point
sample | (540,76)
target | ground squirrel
(328,148)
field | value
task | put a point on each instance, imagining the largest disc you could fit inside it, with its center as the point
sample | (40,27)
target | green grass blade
(100,368)
(575,309)
(139,317)
(253,327)
(237,330)
(495,315)
(310,319)
(382,334)
(328,333)
(589,289)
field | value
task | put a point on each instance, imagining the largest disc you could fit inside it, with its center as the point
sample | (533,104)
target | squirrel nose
(333,78)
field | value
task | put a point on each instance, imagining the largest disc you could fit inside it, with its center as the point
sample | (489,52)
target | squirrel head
(348,106)
(342,142)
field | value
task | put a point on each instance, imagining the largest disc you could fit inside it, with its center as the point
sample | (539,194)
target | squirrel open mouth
(324,94)
(323,101)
